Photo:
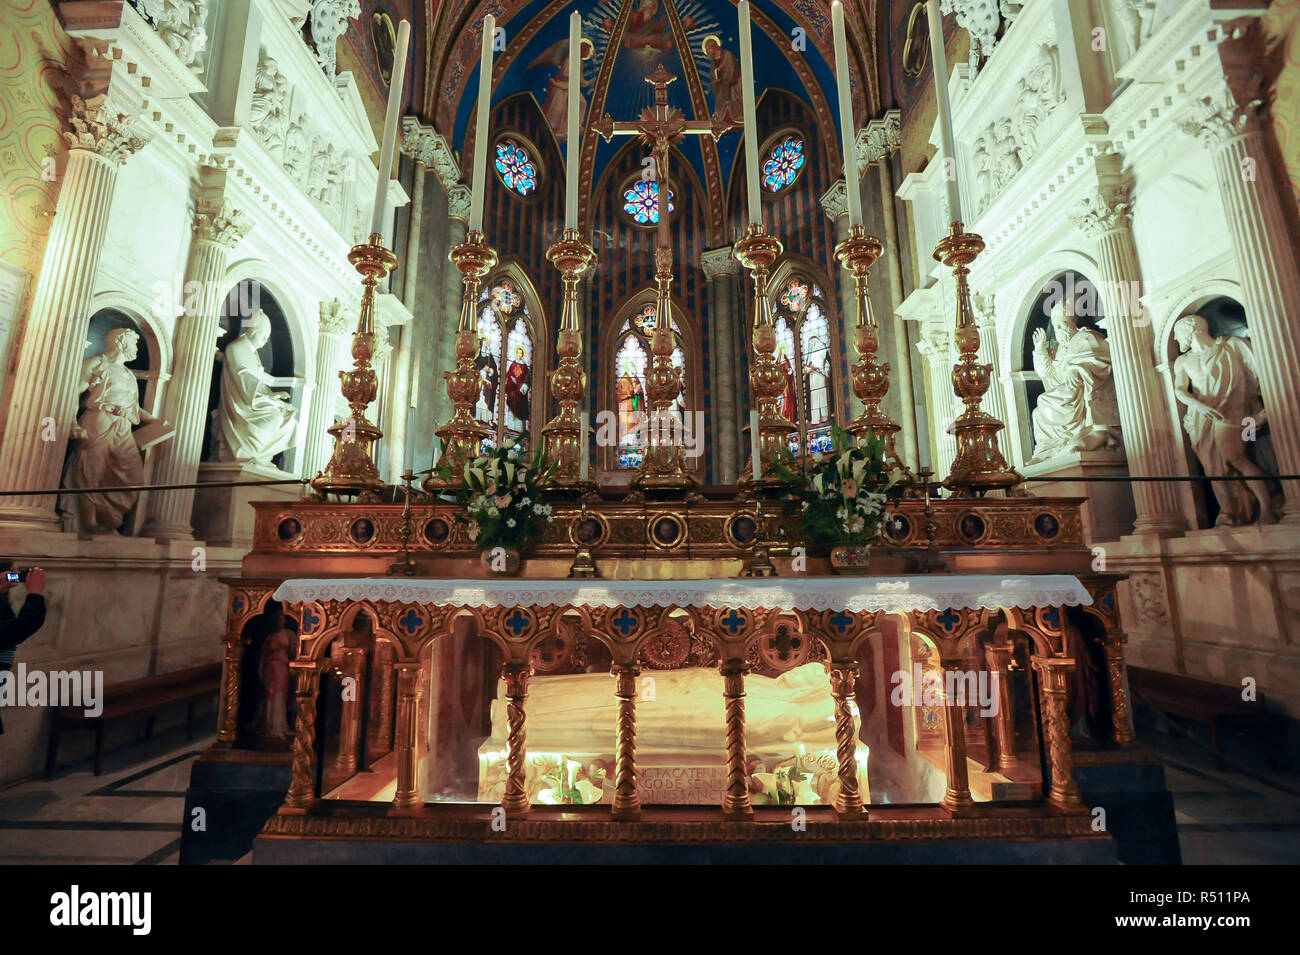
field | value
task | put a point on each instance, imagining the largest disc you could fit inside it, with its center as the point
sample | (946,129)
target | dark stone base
(237,791)
(1139,810)
(279,851)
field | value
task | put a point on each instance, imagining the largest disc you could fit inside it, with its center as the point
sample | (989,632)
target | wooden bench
(138,698)
(1205,701)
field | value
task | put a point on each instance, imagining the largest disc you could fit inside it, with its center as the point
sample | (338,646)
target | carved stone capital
(836,200)
(458,201)
(1218,119)
(1105,212)
(223,225)
(719,262)
(334,320)
(426,145)
(880,138)
(97,128)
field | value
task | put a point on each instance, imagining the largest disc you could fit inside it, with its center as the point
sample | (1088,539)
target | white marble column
(721,269)
(333,344)
(44,404)
(443,342)
(403,383)
(995,399)
(1148,442)
(876,143)
(835,203)
(936,348)
(1270,275)
(217,229)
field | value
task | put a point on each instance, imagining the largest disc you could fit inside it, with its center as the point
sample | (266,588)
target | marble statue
(579,713)
(106,454)
(181,25)
(254,423)
(1078,410)
(329,21)
(1216,379)
(266,108)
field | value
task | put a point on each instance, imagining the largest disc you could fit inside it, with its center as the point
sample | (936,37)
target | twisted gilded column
(627,801)
(1053,675)
(956,796)
(49,359)
(998,658)
(1120,719)
(302,781)
(217,229)
(1143,413)
(231,680)
(1233,130)
(848,802)
(516,678)
(331,352)
(735,801)
(408,685)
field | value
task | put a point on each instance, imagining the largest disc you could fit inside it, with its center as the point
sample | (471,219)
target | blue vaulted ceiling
(638,35)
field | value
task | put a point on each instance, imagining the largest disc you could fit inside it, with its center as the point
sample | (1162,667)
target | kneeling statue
(1078,410)
(254,423)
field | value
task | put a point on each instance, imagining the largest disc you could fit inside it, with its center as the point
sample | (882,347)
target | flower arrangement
(500,492)
(842,493)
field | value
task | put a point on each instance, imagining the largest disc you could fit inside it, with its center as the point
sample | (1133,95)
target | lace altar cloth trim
(857,595)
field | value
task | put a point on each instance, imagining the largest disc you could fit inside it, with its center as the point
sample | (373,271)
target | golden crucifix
(660,126)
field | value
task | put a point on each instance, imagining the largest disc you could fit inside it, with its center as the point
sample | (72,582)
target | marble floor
(132,813)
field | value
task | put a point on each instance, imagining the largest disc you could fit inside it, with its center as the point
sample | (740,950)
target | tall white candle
(847,131)
(573,144)
(939,59)
(408,453)
(756,463)
(751,124)
(584,450)
(380,209)
(479,181)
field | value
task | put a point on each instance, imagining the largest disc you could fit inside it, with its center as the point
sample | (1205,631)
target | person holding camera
(17,627)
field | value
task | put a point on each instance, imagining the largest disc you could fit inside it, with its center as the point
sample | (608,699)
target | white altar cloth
(853,594)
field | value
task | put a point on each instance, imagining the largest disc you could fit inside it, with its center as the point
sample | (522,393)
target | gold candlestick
(462,435)
(858,253)
(563,433)
(757,250)
(663,465)
(351,469)
(979,465)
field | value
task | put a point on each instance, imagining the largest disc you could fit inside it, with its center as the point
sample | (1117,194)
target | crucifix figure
(659,127)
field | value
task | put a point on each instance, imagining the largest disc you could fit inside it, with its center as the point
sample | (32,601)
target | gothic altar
(666,669)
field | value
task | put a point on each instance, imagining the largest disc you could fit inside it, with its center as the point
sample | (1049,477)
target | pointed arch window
(505,365)
(632,360)
(803,353)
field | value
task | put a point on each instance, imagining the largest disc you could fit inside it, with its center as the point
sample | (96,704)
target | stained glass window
(516,167)
(641,202)
(632,360)
(803,355)
(505,365)
(783,164)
